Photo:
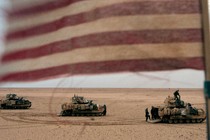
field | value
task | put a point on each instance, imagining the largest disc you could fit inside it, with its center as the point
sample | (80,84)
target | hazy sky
(164,79)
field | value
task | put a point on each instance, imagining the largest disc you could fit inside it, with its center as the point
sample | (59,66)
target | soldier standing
(147,114)
(176,95)
(177,98)
(153,113)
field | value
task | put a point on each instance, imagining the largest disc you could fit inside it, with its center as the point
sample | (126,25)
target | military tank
(176,110)
(12,101)
(79,106)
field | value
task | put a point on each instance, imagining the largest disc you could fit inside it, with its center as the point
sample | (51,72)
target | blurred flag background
(92,43)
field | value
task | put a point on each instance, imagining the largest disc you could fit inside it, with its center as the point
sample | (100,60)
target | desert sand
(125,118)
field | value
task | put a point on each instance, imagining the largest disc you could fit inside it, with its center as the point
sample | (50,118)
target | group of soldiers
(154,113)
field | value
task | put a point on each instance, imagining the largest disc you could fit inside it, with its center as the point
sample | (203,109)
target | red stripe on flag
(107,67)
(49,6)
(108,38)
(132,8)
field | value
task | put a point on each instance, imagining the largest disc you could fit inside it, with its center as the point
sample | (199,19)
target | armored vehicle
(79,106)
(176,110)
(12,101)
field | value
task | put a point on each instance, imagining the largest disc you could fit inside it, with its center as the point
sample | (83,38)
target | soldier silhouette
(176,95)
(153,112)
(147,114)
(178,99)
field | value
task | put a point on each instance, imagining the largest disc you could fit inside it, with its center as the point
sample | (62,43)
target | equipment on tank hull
(175,110)
(12,101)
(79,106)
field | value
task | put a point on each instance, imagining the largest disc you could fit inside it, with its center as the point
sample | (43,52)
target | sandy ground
(125,118)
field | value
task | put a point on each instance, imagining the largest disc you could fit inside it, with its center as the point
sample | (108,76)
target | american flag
(54,38)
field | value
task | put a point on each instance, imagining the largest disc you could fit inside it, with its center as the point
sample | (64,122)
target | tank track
(15,107)
(175,121)
(70,113)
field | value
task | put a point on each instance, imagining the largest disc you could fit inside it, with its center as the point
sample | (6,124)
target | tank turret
(174,102)
(176,110)
(81,106)
(79,100)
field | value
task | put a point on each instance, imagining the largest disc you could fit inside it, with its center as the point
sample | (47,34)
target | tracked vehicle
(79,106)
(12,101)
(176,110)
